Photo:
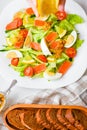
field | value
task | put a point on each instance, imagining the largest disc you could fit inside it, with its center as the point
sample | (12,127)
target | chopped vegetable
(14,24)
(74,19)
(30,11)
(71,52)
(28,71)
(39,68)
(18,44)
(51,36)
(42,58)
(15,61)
(61,15)
(24,33)
(35,46)
(39,23)
(64,67)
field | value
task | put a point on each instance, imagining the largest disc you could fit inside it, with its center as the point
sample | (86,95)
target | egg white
(44,48)
(13,54)
(71,43)
(52,77)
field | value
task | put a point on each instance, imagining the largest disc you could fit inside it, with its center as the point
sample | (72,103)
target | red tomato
(35,46)
(39,68)
(61,15)
(71,52)
(42,58)
(15,61)
(30,11)
(28,71)
(24,32)
(14,24)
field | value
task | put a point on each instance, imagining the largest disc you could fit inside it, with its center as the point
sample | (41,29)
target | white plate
(74,73)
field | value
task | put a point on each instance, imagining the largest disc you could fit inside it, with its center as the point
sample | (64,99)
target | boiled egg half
(45,48)
(52,76)
(71,39)
(28,40)
(13,54)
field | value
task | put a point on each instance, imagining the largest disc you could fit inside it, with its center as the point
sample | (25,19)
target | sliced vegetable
(42,58)
(14,61)
(35,46)
(30,11)
(51,36)
(61,15)
(18,44)
(64,67)
(39,68)
(24,33)
(61,32)
(14,24)
(28,71)
(66,25)
(71,52)
(39,23)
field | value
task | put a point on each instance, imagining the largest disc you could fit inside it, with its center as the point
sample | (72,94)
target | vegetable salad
(42,46)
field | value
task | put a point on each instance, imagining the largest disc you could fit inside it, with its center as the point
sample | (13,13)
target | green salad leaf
(74,19)
(65,24)
(78,43)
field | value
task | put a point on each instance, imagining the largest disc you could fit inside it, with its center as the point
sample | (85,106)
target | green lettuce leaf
(78,43)
(66,25)
(74,19)
(51,18)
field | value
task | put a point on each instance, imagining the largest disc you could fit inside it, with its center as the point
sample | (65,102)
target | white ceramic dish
(75,72)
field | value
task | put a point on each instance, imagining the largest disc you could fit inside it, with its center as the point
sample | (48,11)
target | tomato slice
(14,61)
(24,33)
(14,24)
(51,36)
(39,68)
(29,71)
(39,23)
(42,58)
(30,11)
(35,46)
(64,67)
(71,52)
(61,15)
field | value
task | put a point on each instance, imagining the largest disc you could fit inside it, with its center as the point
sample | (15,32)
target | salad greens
(42,47)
